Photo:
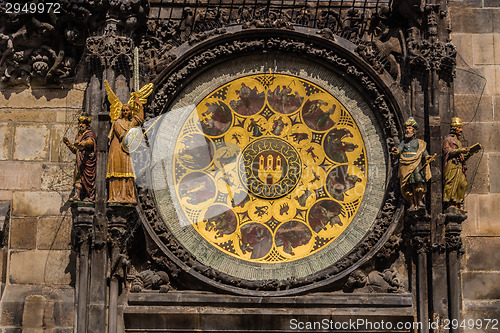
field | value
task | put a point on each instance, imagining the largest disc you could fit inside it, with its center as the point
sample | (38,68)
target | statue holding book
(455,169)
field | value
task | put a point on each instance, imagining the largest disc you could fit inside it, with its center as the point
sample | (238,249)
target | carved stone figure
(455,168)
(120,171)
(151,280)
(414,171)
(84,147)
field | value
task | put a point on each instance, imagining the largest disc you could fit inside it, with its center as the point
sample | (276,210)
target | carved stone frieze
(384,45)
(119,225)
(429,51)
(390,248)
(111,50)
(418,231)
(48,47)
(381,41)
(453,229)
(83,219)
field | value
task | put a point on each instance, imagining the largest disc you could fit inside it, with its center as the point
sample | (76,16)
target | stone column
(419,227)
(433,56)
(118,216)
(454,250)
(81,237)
(110,57)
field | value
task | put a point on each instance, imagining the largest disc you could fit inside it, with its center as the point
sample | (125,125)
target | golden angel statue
(124,119)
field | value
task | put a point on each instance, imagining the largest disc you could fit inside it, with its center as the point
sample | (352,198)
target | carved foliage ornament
(39,45)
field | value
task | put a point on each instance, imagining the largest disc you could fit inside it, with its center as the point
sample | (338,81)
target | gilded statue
(85,149)
(455,168)
(414,166)
(120,170)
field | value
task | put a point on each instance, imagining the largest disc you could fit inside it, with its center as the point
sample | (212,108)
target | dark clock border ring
(338,60)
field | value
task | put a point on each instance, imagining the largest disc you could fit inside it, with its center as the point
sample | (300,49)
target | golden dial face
(270,168)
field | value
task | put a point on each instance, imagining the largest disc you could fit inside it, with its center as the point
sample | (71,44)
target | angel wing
(142,94)
(116,105)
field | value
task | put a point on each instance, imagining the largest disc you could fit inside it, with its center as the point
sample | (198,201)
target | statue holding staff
(84,147)
(414,168)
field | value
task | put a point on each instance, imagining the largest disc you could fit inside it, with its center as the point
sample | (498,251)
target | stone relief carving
(151,280)
(387,281)
(47,48)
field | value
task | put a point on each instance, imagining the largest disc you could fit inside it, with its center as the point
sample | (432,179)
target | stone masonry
(36,172)
(475,28)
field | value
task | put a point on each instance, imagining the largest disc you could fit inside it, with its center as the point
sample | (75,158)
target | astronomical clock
(268,176)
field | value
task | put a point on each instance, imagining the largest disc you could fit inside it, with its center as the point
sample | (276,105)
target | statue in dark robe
(85,149)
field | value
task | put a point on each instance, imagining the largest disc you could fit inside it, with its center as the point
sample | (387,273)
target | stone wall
(476,33)
(36,171)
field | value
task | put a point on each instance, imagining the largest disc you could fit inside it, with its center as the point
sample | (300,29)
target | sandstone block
(485,134)
(36,98)
(465,3)
(31,142)
(40,267)
(496,115)
(471,20)
(68,116)
(33,311)
(490,74)
(483,49)
(54,232)
(494,164)
(481,310)
(5,195)
(23,115)
(59,151)
(36,203)
(19,175)
(475,249)
(6,134)
(475,76)
(491,3)
(59,300)
(489,211)
(471,108)
(478,285)
(469,226)
(463,43)
(496,47)
(23,233)
(495,18)
(479,174)
(57,177)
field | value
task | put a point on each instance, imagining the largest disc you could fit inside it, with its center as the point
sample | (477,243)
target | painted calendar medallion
(275,170)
